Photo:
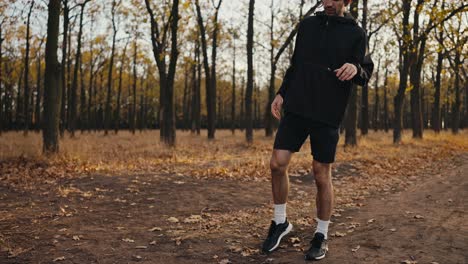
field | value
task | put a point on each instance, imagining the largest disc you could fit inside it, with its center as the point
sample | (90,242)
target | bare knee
(322,173)
(279,164)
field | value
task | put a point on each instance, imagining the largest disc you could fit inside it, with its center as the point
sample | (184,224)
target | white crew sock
(280,213)
(322,227)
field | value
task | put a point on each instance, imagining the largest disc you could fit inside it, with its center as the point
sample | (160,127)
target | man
(330,55)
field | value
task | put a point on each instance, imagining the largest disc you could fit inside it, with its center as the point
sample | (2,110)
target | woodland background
(140,131)
(195,65)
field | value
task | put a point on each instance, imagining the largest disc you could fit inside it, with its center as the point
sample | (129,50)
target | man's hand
(276,106)
(346,72)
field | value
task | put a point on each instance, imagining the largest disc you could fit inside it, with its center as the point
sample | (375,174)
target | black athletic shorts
(294,129)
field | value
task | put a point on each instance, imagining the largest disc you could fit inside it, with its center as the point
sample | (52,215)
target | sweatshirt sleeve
(363,62)
(289,72)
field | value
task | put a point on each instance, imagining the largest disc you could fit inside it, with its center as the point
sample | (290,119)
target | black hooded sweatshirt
(324,43)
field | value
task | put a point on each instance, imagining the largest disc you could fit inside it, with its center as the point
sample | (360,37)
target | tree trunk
(52,92)
(210,73)
(169,112)
(19,101)
(119,92)
(415,80)
(456,106)
(436,118)
(37,115)
(27,106)
(416,55)
(271,87)
(90,100)
(8,98)
(365,88)
(196,84)
(233,94)
(108,111)
(166,79)
(242,106)
(376,122)
(64,76)
(404,69)
(2,98)
(82,117)
(249,90)
(134,86)
(69,80)
(351,111)
(74,88)
(198,91)
(185,99)
(385,118)
(446,107)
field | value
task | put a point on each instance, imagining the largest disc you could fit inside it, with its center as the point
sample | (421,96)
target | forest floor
(126,199)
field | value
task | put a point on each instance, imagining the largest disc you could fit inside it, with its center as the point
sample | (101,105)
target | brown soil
(130,219)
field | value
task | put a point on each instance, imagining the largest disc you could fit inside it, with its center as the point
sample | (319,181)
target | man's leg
(324,200)
(279,176)
(280,187)
(324,203)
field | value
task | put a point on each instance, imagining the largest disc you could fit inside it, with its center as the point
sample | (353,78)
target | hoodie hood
(346,19)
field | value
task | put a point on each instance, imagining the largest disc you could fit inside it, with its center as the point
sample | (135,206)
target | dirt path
(178,219)
(427,223)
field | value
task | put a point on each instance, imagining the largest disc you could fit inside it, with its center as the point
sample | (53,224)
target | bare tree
(52,92)
(108,111)
(27,106)
(166,73)
(249,90)
(351,111)
(74,87)
(210,72)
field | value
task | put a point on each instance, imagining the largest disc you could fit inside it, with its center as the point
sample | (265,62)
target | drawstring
(318,66)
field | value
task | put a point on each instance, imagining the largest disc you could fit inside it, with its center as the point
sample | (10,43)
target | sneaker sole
(317,258)
(288,229)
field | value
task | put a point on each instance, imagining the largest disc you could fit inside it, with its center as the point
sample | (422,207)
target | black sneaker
(275,234)
(318,247)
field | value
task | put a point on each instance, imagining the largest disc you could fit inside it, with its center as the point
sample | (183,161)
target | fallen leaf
(409,262)
(418,216)
(225,261)
(249,251)
(128,240)
(356,248)
(173,219)
(338,234)
(59,259)
(393,229)
(235,249)
(155,229)
(76,238)
(295,240)
(152,242)
(193,219)
(371,221)
(141,247)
